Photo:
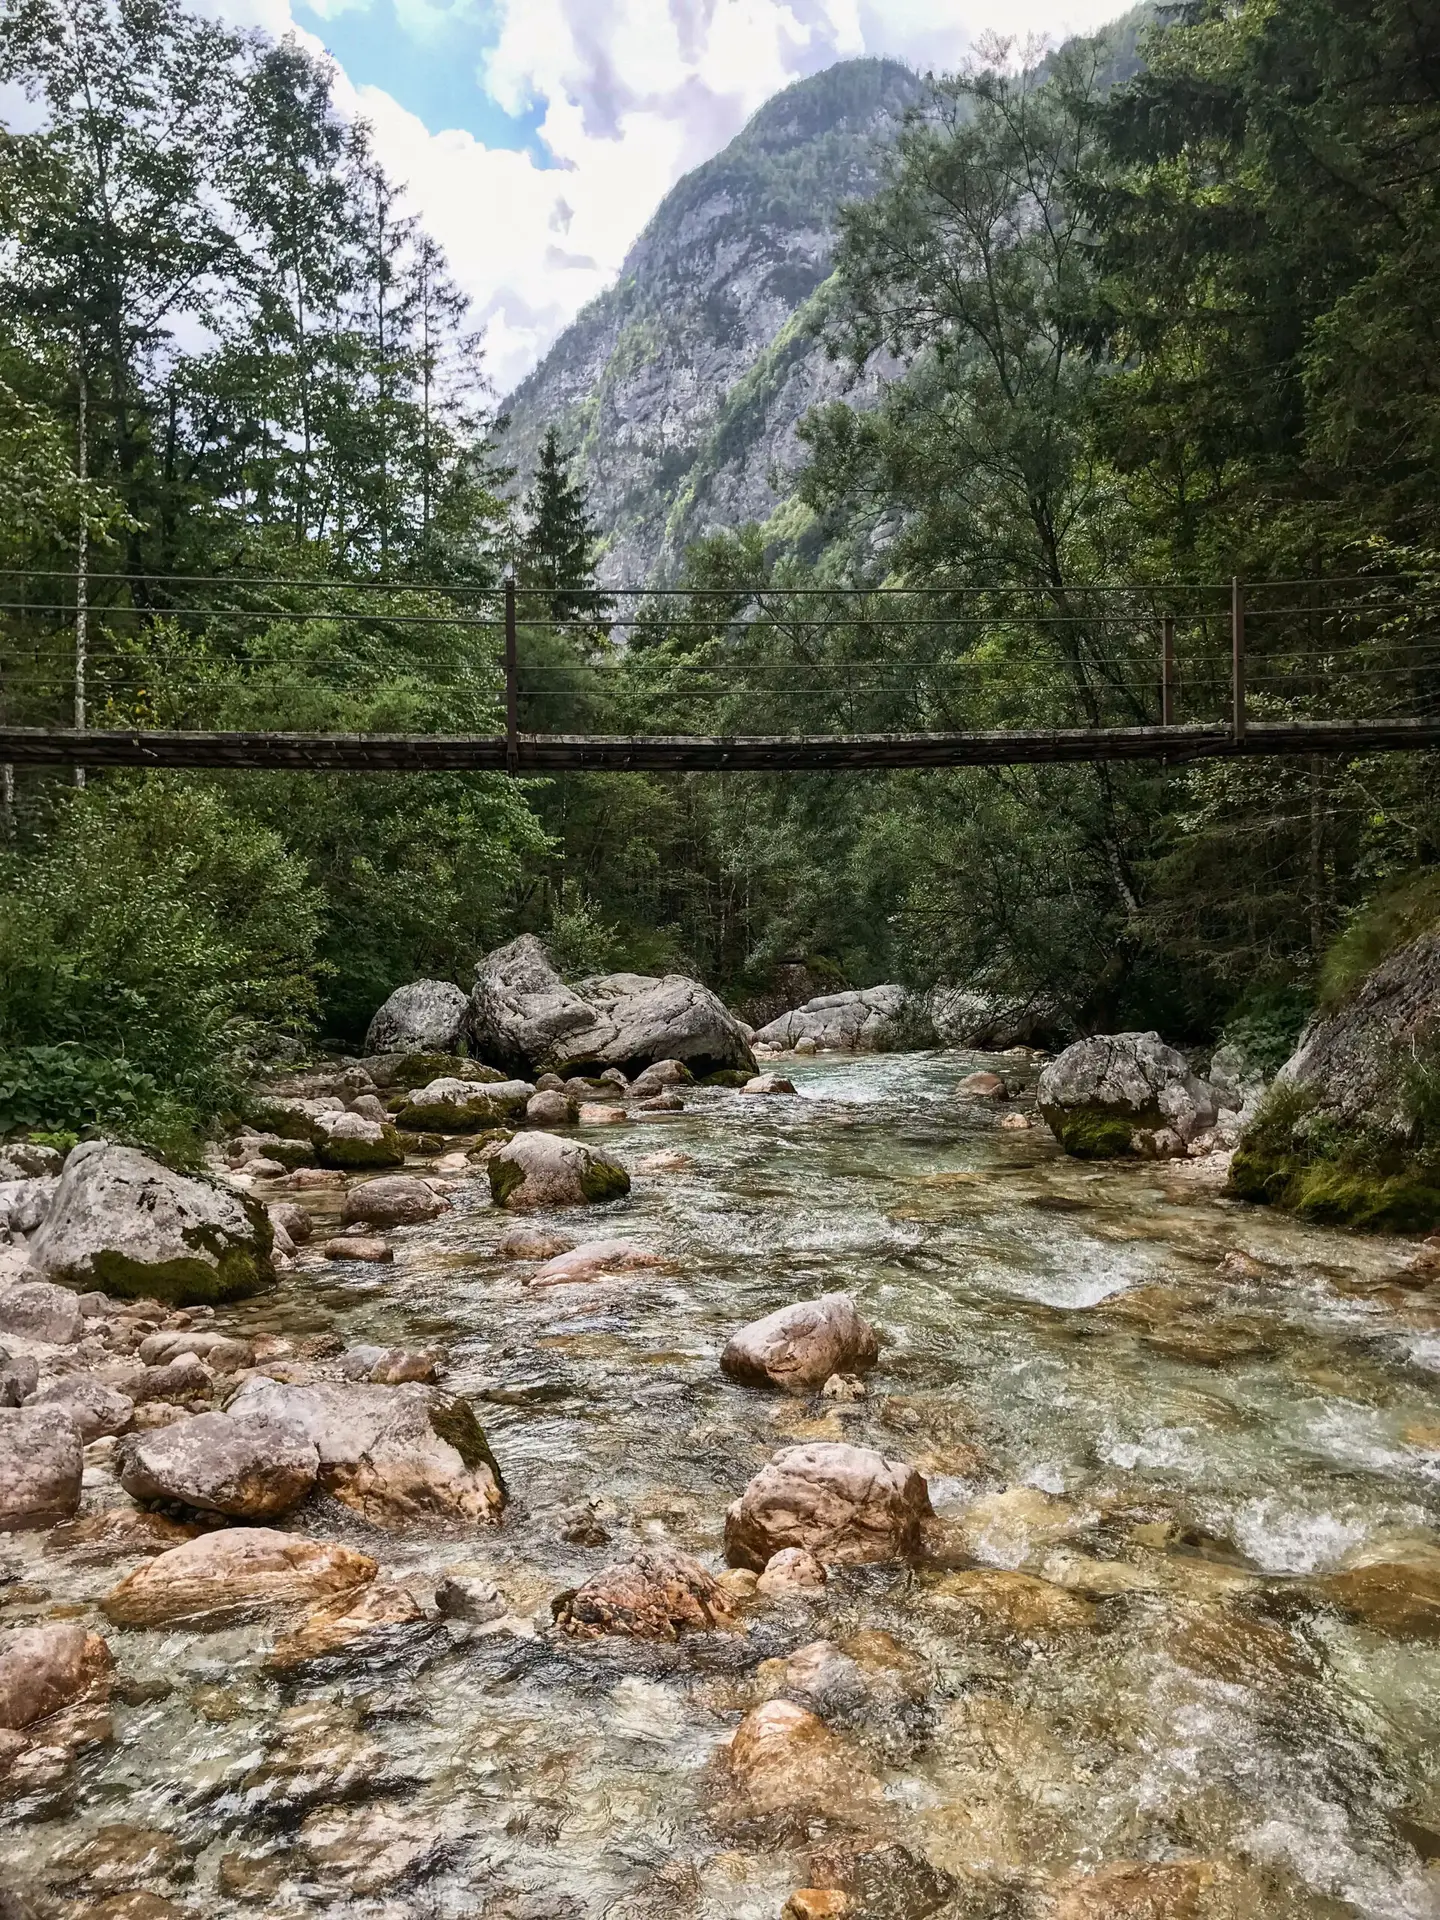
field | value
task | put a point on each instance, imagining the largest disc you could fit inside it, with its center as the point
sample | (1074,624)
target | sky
(536,137)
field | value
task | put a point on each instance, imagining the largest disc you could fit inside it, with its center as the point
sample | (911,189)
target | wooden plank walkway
(690,753)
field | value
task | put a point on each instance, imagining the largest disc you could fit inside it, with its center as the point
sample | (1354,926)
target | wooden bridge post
(1167,671)
(512,679)
(1237,659)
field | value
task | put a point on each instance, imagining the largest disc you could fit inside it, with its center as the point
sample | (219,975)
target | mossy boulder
(463,1106)
(1349,1134)
(403,1072)
(1124,1093)
(353,1141)
(122,1223)
(542,1170)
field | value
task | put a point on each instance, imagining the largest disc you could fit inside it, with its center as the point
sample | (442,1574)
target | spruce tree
(557,551)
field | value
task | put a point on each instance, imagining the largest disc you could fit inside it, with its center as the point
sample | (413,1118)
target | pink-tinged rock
(594,1260)
(984,1086)
(358,1246)
(43,1669)
(657,1595)
(41,1464)
(798,1347)
(845,1505)
(237,1568)
(768,1083)
(791,1571)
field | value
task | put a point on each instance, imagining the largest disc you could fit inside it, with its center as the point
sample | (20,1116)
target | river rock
(869,1680)
(791,1571)
(371,1847)
(1013,1605)
(388,1366)
(542,1170)
(1399,1598)
(246,1467)
(19,1377)
(43,1669)
(551,1107)
(41,1465)
(27,1160)
(25,1203)
(250,1148)
(762,1083)
(661,1077)
(236,1568)
(428,1016)
(94,1408)
(787,1768)
(391,1454)
(463,1106)
(837,1022)
(124,1224)
(351,1142)
(984,1086)
(395,1200)
(221,1352)
(845,1505)
(594,1260)
(348,1623)
(599,1113)
(1146,1890)
(530,1243)
(798,1347)
(116,1533)
(875,1878)
(37,1310)
(524,1017)
(357,1246)
(657,1595)
(186,1377)
(468,1593)
(1124,1093)
(293,1218)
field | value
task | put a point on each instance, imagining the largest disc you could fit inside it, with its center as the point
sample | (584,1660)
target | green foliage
(148,948)
(557,549)
(1266,1025)
(1338,1175)
(1400,913)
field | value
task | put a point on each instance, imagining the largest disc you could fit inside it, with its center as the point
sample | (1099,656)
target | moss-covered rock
(542,1170)
(124,1224)
(1093,1132)
(404,1072)
(462,1106)
(1122,1093)
(351,1141)
(1298,1156)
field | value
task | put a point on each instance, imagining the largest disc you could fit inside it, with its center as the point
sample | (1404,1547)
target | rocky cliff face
(680,389)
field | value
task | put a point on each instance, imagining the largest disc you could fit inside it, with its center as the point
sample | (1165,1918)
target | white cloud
(632,94)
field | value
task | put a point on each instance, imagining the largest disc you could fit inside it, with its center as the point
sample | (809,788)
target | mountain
(678,390)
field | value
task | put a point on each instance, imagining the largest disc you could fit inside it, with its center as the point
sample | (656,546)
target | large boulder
(41,1464)
(785,1766)
(1342,1135)
(428,1016)
(463,1106)
(847,1022)
(238,1568)
(657,1595)
(391,1454)
(354,1141)
(1124,1093)
(525,1018)
(244,1466)
(125,1225)
(542,1170)
(44,1669)
(845,1505)
(798,1347)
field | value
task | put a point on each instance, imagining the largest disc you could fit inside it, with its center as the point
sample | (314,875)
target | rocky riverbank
(863,1509)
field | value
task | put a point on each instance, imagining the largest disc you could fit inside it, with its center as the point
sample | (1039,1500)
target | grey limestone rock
(845,1505)
(38,1310)
(425,1017)
(1124,1093)
(798,1347)
(1352,1060)
(838,1022)
(124,1224)
(542,1170)
(525,1017)
(242,1465)
(95,1408)
(41,1463)
(394,1200)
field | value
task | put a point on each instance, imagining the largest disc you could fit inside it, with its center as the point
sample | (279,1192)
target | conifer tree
(557,550)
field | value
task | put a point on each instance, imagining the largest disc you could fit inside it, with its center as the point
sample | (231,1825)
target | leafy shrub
(148,943)
(1401,913)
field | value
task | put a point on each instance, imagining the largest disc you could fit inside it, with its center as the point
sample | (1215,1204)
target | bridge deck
(682,753)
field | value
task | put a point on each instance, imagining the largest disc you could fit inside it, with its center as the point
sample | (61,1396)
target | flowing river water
(1181,1451)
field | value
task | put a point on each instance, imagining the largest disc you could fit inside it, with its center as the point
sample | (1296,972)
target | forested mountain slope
(679,390)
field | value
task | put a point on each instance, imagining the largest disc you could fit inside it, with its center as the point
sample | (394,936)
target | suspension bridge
(115,670)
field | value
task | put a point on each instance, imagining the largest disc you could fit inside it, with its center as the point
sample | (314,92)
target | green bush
(150,942)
